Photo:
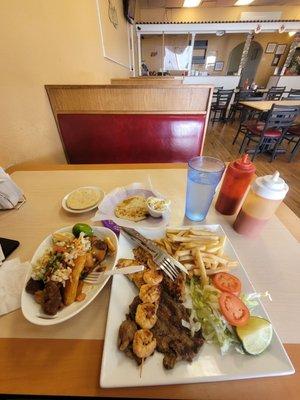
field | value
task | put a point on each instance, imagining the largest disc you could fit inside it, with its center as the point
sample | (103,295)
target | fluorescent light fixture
(191,3)
(292,33)
(243,2)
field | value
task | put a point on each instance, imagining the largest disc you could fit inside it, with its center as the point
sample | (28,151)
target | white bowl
(158,213)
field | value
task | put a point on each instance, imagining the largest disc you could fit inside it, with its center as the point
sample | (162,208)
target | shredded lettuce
(215,329)
(250,299)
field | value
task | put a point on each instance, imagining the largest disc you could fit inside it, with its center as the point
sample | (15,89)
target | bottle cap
(270,187)
(244,164)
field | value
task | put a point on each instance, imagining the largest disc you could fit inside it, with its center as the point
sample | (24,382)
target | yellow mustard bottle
(264,197)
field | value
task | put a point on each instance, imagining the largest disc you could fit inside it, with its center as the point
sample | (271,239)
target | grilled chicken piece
(99,249)
(126,334)
(137,277)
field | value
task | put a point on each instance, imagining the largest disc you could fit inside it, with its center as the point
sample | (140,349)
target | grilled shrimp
(144,343)
(145,315)
(153,277)
(149,293)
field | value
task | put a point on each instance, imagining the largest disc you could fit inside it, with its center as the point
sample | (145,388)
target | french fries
(199,250)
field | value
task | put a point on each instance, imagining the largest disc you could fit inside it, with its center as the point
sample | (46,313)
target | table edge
(71,167)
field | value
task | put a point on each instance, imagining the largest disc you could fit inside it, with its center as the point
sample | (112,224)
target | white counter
(228,82)
(290,82)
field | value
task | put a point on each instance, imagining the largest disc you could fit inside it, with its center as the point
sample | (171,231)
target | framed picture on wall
(275,61)
(114,31)
(270,48)
(219,65)
(280,49)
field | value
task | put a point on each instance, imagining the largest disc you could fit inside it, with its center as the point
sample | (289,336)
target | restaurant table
(265,106)
(65,359)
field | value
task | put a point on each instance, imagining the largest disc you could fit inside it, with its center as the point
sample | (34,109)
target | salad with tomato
(224,315)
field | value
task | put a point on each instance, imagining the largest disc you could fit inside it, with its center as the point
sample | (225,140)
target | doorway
(254,56)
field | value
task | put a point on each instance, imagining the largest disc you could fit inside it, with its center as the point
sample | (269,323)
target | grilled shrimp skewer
(153,277)
(144,343)
(145,315)
(149,293)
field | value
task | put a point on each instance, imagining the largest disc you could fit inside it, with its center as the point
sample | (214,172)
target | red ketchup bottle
(235,183)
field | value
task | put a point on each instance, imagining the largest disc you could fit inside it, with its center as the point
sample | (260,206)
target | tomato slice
(59,249)
(227,283)
(233,309)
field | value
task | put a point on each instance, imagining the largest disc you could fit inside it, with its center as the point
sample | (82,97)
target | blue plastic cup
(204,174)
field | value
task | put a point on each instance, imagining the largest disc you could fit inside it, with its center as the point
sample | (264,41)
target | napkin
(10,193)
(12,277)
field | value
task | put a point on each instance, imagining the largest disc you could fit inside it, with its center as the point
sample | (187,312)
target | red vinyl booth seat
(131,138)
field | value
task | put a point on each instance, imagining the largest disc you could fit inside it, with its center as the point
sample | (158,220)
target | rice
(60,267)
(61,275)
(39,269)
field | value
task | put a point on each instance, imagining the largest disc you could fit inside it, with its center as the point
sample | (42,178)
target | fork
(166,262)
(166,265)
(95,277)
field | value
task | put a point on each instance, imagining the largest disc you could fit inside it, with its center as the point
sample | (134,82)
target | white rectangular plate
(209,366)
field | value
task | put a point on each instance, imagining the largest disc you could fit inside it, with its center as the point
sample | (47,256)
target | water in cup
(204,174)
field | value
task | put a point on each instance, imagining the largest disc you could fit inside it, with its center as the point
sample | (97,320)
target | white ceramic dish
(31,309)
(208,366)
(64,200)
(158,213)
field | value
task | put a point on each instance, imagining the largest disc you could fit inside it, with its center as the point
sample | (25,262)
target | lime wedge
(78,228)
(256,335)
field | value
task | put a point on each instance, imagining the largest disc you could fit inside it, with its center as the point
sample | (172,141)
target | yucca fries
(199,250)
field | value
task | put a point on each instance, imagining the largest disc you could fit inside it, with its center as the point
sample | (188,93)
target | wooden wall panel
(183,99)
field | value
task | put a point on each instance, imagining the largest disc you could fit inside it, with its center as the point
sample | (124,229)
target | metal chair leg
(295,150)
(257,149)
(237,134)
(273,154)
(214,117)
(243,145)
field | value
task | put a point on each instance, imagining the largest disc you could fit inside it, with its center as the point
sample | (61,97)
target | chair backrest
(281,117)
(246,94)
(294,94)
(130,124)
(217,88)
(224,97)
(275,93)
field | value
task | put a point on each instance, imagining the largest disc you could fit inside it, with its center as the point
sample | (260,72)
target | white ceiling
(213,3)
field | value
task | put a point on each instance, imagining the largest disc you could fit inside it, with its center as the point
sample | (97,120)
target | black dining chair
(215,92)
(293,136)
(236,107)
(294,94)
(220,106)
(271,132)
(275,93)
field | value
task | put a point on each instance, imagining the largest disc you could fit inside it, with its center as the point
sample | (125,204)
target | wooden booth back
(130,124)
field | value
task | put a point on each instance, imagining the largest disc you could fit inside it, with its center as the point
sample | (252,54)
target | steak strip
(173,340)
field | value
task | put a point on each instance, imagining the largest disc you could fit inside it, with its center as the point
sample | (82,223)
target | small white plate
(31,309)
(64,200)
